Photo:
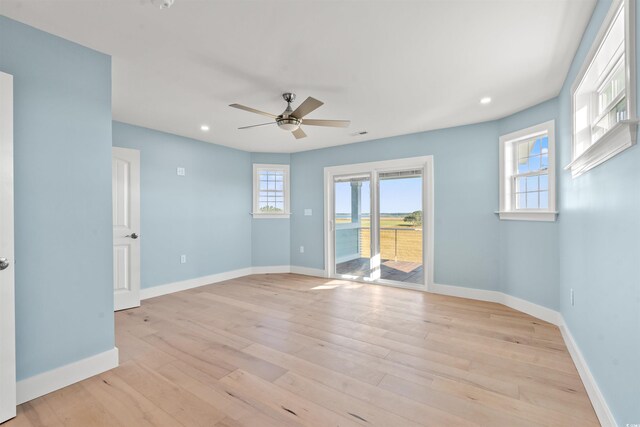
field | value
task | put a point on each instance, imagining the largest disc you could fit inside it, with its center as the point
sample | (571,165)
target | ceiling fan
(291,120)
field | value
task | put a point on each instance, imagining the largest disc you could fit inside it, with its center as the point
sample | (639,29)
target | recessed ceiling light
(486,100)
(204,128)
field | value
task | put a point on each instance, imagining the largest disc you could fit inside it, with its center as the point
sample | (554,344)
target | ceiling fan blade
(329,123)
(252,110)
(299,133)
(306,107)
(261,124)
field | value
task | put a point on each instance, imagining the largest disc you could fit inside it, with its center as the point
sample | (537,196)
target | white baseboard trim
(55,379)
(275,269)
(183,285)
(307,271)
(535,310)
(595,395)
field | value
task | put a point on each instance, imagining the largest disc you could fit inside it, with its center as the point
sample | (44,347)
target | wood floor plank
(289,350)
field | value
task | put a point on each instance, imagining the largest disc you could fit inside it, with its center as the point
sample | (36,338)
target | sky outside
(396,196)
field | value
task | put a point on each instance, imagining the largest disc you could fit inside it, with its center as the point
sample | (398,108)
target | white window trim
(624,133)
(256,191)
(507,211)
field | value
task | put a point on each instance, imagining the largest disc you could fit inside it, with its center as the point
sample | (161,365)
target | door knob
(132,235)
(4,263)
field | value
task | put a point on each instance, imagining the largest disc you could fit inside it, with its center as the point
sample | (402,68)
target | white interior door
(125,171)
(7,290)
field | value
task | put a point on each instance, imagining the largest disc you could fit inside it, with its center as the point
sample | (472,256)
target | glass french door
(378,232)
(352,219)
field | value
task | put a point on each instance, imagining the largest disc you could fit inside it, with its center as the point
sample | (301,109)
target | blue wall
(270,237)
(62,143)
(204,214)
(524,242)
(63,208)
(599,245)
(466,197)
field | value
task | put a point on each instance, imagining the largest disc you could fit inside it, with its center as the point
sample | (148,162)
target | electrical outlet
(183,259)
(181,171)
(573,299)
(301,249)
(308,212)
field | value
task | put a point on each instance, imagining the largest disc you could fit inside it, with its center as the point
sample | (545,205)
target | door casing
(7,276)
(425,163)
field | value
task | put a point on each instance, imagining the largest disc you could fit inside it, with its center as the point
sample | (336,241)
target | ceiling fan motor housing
(288,123)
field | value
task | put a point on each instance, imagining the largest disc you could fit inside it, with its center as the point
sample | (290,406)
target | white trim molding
(308,271)
(508,157)
(284,169)
(55,379)
(604,56)
(183,285)
(622,136)
(605,416)
(372,171)
(535,310)
(271,269)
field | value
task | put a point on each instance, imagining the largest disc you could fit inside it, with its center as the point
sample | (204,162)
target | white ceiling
(392,67)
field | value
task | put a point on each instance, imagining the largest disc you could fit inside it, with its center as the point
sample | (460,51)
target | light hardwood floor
(289,350)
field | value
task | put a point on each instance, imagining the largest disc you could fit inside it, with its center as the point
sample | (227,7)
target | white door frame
(7,276)
(128,236)
(424,163)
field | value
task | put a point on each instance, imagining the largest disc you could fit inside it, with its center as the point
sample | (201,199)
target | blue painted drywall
(599,246)
(466,197)
(270,237)
(62,143)
(204,214)
(524,241)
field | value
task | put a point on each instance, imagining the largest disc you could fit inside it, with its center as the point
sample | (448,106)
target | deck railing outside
(397,244)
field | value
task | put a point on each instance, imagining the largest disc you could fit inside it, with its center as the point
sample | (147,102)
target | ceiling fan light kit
(290,120)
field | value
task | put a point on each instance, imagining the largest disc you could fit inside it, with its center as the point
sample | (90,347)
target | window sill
(546,216)
(270,216)
(618,139)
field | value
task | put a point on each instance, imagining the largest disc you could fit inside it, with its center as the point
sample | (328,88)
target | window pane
(545,144)
(532,183)
(544,161)
(534,163)
(279,185)
(532,200)
(521,185)
(536,147)
(523,165)
(521,200)
(544,182)
(544,199)
(523,150)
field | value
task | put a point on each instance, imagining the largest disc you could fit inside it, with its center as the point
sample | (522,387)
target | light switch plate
(307,212)
(181,171)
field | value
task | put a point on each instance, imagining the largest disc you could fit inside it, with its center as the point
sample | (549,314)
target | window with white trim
(527,174)
(603,94)
(270,191)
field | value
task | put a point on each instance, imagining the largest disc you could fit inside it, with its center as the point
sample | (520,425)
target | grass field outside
(399,240)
